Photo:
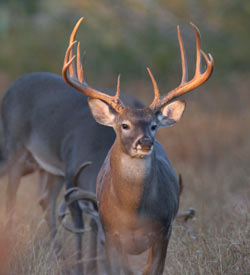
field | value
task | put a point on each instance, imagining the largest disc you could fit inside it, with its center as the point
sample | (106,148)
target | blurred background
(210,147)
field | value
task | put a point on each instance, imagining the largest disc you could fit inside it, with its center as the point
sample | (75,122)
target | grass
(211,150)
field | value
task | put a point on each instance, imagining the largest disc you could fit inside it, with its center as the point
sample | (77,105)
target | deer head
(136,128)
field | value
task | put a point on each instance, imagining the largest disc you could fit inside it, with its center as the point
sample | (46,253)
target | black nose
(145,142)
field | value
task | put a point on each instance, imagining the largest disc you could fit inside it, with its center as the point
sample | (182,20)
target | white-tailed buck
(137,188)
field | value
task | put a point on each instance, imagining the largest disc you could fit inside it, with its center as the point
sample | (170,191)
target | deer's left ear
(171,113)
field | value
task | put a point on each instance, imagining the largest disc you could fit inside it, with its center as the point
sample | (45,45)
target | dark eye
(125,126)
(153,127)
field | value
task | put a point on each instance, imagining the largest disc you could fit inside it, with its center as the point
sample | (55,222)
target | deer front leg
(76,214)
(117,258)
(157,255)
(77,218)
(111,250)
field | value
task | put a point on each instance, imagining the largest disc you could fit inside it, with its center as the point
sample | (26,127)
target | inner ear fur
(171,113)
(102,112)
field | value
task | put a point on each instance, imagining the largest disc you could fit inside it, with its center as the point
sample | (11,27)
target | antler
(185,85)
(73,74)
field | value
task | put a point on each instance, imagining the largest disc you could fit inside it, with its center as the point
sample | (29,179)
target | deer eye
(153,127)
(125,126)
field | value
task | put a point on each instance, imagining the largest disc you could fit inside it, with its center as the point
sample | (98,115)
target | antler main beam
(73,74)
(185,85)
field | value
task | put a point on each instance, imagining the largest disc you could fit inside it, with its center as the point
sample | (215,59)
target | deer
(137,188)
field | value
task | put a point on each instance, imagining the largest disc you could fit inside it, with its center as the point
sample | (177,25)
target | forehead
(137,115)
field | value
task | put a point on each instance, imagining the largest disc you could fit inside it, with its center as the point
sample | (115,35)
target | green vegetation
(122,36)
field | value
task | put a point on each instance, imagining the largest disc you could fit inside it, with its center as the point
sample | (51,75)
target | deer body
(132,196)
(26,107)
(137,188)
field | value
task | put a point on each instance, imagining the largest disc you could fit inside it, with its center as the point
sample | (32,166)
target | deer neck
(130,176)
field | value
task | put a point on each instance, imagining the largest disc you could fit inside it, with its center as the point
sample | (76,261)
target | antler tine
(156,90)
(198,50)
(199,77)
(71,40)
(79,66)
(68,70)
(71,66)
(77,81)
(184,65)
(117,95)
(68,60)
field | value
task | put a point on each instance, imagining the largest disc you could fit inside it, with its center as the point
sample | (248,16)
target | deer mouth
(143,151)
(146,149)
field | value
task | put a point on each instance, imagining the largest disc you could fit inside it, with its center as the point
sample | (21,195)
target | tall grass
(211,150)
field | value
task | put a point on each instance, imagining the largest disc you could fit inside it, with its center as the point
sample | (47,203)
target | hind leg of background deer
(18,165)
(156,256)
(50,187)
(15,175)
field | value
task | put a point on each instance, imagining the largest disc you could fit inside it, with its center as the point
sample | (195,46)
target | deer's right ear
(101,112)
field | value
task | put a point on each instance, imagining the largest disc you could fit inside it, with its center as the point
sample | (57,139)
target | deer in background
(137,188)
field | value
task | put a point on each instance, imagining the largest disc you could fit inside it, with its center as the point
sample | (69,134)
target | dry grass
(211,150)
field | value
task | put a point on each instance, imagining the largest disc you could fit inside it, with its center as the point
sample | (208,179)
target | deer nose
(144,143)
